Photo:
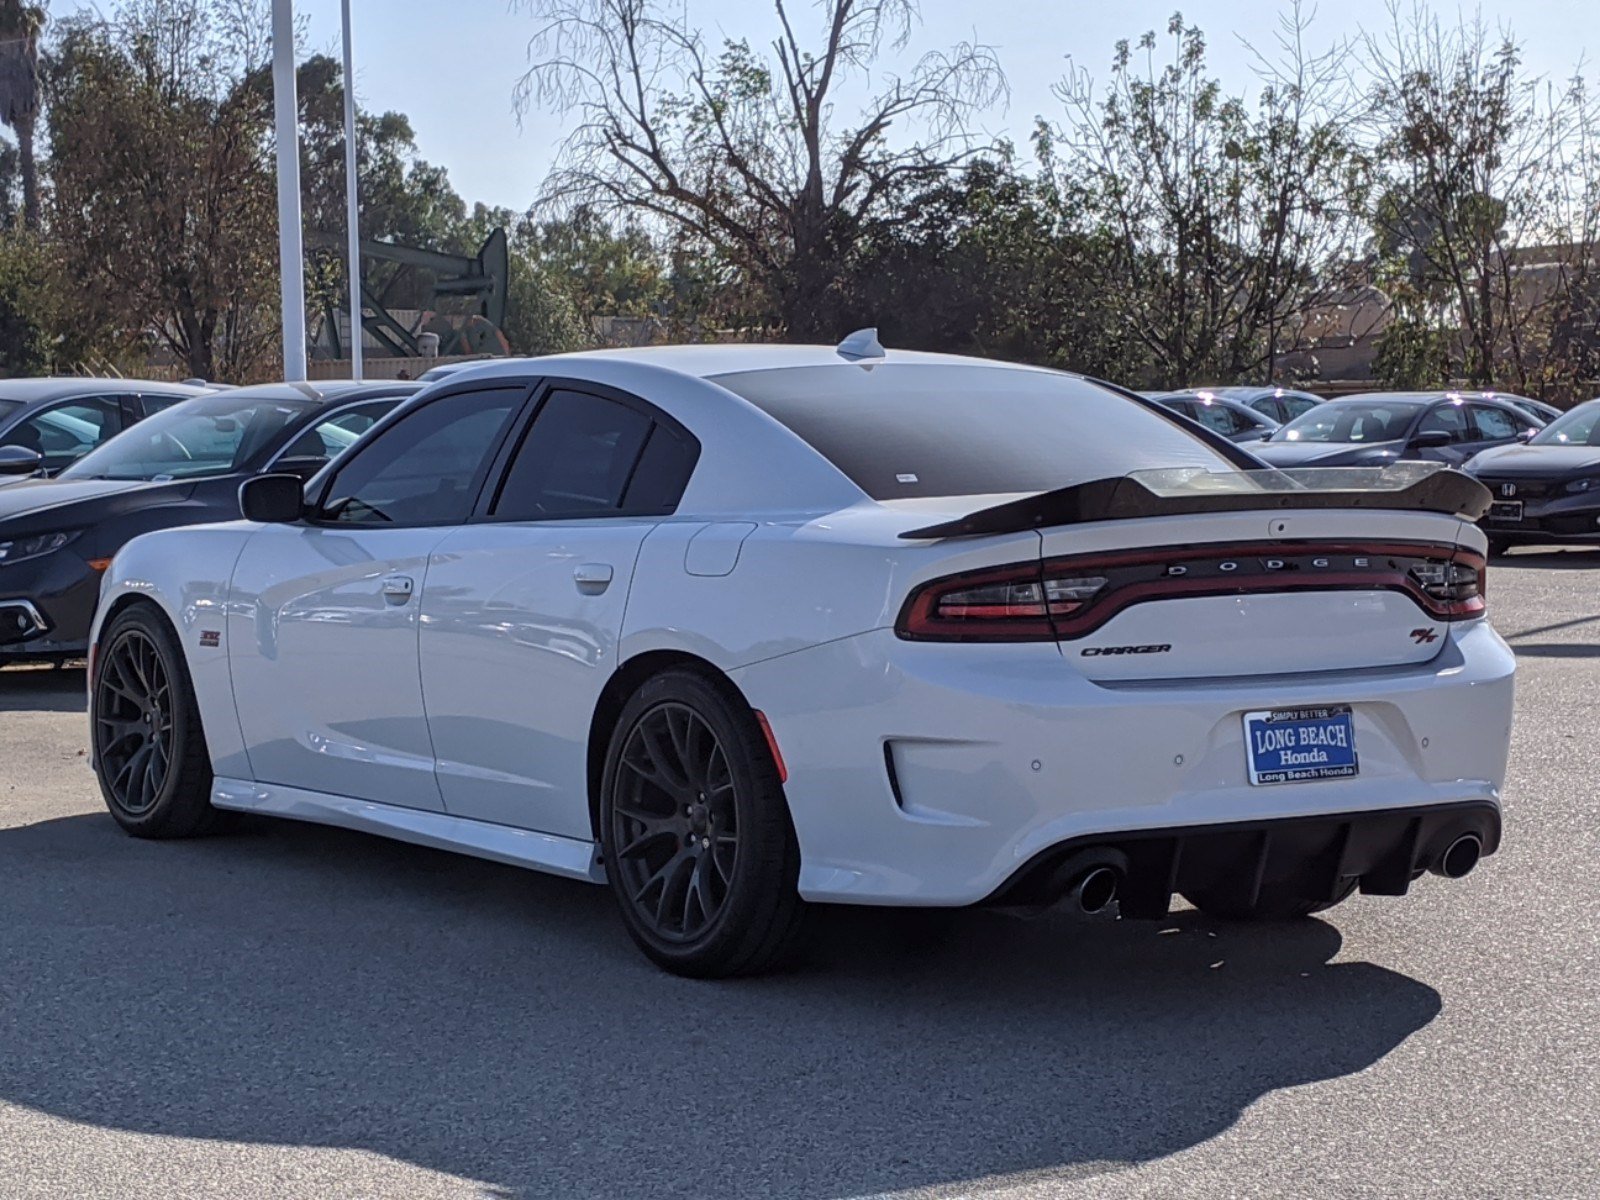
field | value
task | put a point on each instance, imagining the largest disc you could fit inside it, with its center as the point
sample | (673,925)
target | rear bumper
(931,774)
(1314,858)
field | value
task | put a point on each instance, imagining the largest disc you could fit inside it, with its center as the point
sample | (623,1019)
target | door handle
(397,589)
(592,578)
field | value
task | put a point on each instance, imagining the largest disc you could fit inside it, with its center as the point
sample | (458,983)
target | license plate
(1505,510)
(1295,745)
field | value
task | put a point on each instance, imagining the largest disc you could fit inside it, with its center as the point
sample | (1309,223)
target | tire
(149,746)
(1274,903)
(695,832)
(1499,545)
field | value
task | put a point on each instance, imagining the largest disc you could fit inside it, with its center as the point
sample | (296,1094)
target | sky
(451,67)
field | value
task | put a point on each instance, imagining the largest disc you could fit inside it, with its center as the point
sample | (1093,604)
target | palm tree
(20,26)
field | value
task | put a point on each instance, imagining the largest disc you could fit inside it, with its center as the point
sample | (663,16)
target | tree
(742,151)
(1484,197)
(162,197)
(20,26)
(1001,264)
(1225,215)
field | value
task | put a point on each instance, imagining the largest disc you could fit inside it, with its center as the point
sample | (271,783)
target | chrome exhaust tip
(1096,889)
(1459,857)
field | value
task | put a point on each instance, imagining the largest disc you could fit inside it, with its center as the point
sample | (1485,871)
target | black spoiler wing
(1415,487)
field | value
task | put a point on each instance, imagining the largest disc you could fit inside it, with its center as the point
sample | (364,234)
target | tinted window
(67,432)
(1578,427)
(7,407)
(157,403)
(916,429)
(576,460)
(426,468)
(1293,406)
(209,435)
(1496,424)
(1224,420)
(1351,421)
(330,437)
(1183,408)
(1448,418)
(663,472)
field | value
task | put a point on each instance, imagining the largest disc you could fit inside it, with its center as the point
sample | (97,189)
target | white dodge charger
(734,629)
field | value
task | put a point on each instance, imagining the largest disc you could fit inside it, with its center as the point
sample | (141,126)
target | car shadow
(1550,558)
(295,985)
(42,689)
(1556,649)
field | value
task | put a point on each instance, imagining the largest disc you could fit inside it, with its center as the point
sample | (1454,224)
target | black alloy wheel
(674,822)
(133,722)
(695,831)
(149,747)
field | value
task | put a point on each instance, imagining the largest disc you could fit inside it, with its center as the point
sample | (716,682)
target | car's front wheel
(698,846)
(149,748)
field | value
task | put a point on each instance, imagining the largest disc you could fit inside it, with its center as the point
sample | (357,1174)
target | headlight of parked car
(34,547)
(1582,485)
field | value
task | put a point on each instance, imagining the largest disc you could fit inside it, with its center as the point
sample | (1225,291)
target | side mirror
(1430,439)
(303,466)
(19,460)
(272,499)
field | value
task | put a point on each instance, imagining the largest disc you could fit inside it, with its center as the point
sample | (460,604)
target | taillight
(1456,588)
(1010,604)
(1071,597)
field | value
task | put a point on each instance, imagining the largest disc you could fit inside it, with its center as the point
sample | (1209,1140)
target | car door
(522,609)
(325,612)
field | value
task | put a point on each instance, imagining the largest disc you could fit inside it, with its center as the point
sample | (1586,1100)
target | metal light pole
(291,256)
(351,195)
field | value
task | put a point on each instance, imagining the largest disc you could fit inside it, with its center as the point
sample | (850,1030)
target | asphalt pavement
(289,1011)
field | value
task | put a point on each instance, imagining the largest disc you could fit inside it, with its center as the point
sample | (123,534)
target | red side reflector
(772,745)
(99,564)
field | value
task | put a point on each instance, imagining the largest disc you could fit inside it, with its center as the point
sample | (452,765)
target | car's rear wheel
(149,747)
(1498,546)
(699,849)
(1275,903)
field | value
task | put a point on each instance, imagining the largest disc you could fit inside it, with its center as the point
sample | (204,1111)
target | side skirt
(568,857)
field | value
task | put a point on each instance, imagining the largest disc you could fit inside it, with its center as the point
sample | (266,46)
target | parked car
(1538,409)
(1549,489)
(46,425)
(1235,421)
(1385,427)
(182,466)
(1275,403)
(738,628)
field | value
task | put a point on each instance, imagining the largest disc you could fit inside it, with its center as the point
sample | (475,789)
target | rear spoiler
(1406,487)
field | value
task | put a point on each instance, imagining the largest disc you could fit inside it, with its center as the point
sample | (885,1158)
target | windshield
(1580,427)
(1351,421)
(210,435)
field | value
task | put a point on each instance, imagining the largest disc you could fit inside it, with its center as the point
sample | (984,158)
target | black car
(1277,404)
(1383,427)
(1549,489)
(1235,421)
(180,467)
(46,425)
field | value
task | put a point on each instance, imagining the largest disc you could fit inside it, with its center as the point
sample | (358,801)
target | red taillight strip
(919,619)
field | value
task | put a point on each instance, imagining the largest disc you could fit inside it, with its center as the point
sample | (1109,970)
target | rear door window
(1496,424)
(1450,419)
(590,455)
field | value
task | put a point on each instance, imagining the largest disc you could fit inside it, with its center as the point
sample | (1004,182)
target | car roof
(46,391)
(325,391)
(710,360)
